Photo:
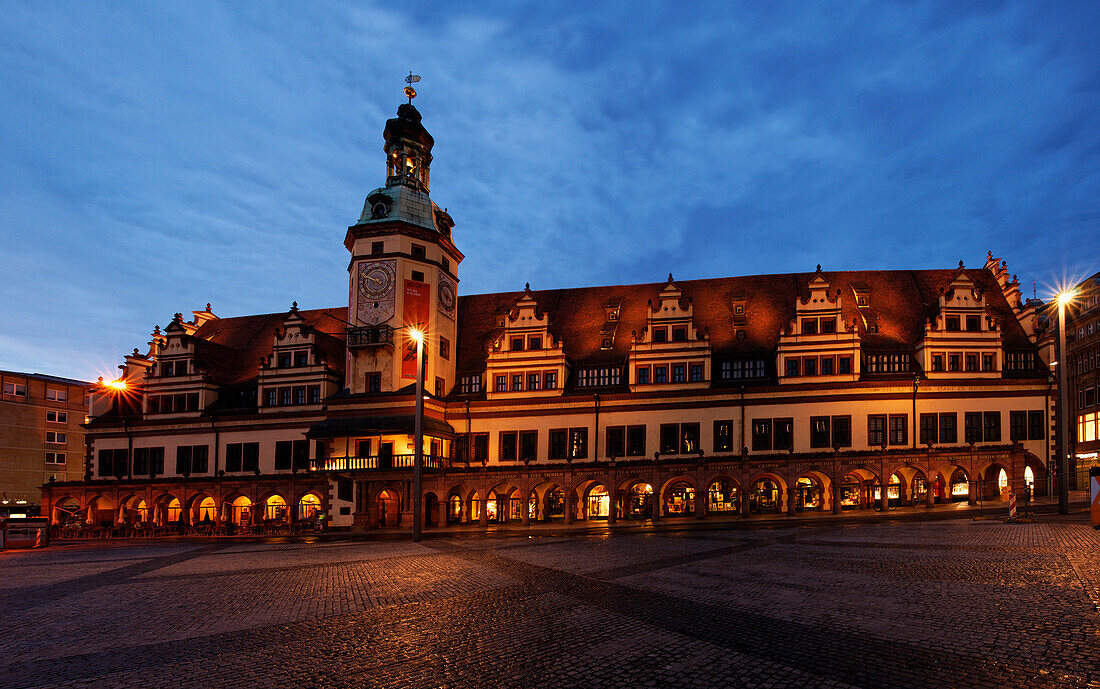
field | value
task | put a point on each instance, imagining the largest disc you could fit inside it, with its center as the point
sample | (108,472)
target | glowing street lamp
(417,336)
(1064,298)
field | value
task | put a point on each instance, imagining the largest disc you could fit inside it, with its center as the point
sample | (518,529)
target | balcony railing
(374,463)
(372,336)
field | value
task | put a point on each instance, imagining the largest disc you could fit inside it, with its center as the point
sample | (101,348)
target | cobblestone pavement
(949,604)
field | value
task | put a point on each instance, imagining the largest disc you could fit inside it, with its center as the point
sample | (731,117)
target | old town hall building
(820,390)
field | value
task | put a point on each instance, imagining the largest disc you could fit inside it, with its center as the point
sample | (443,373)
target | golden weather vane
(409,90)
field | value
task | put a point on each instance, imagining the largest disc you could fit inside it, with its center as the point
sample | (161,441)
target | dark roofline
(46,377)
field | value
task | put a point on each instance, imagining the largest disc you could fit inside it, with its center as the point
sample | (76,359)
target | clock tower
(403,271)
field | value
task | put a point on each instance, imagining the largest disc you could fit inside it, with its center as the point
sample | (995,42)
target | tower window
(417,276)
(418,251)
(377,247)
(446,264)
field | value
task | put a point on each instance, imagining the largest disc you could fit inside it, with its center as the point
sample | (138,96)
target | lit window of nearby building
(470,384)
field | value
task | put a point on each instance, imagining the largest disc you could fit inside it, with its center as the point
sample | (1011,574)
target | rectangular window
(528,446)
(992,426)
(300,394)
(689,438)
(534,342)
(250,457)
(988,362)
(973,427)
(374,381)
(642,375)
(679,334)
(17,389)
(971,362)
(635,441)
(929,429)
(471,384)
(826,365)
(532,381)
(952,323)
(696,373)
(550,380)
(578,443)
(783,434)
(899,429)
(844,364)
(271,394)
(517,344)
(199,459)
(660,335)
(106,462)
(502,383)
(57,417)
(444,348)
(508,446)
(377,247)
(677,373)
(723,436)
(660,374)
(233,454)
(761,434)
(314,394)
(55,458)
(55,437)
(1035,425)
(285,360)
(954,362)
(820,435)
(842,431)
(481,447)
(725,370)
(670,438)
(1017,425)
(517,382)
(949,428)
(828,325)
(418,251)
(876,430)
(809,326)
(284,454)
(439,383)
(809,367)
(616,441)
(557,447)
(792,367)
(973,323)
(286,395)
(937,362)
(55,395)
(301,358)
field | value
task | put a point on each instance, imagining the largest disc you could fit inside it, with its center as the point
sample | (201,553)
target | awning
(343,426)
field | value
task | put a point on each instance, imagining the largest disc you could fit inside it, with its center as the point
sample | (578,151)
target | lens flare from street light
(416,334)
(119,385)
(1066,297)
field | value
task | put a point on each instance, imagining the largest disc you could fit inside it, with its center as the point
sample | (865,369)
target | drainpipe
(596,439)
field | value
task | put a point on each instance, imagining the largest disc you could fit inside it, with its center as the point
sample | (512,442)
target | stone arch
(813,491)
(66,509)
(995,481)
(431,505)
(457,506)
(593,498)
(954,483)
(857,488)
(1040,477)
(915,484)
(170,509)
(387,506)
(636,498)
(549,497)
(504,503)
(724,494)
(101,510)
(764,498)
(679,496)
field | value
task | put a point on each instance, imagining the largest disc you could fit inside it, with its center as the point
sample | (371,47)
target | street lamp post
(1063,408)
(418,455)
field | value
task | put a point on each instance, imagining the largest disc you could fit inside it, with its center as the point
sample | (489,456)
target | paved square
(951,604)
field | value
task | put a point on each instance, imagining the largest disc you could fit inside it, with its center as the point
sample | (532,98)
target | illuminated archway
(598,502)
(724,496)
(680,499)
(308,506)
(764,496)
(638,501)
(242,511)
(275,508)
(207,511)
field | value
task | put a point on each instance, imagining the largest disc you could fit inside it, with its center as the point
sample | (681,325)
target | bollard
(1011,507)
(1094,496)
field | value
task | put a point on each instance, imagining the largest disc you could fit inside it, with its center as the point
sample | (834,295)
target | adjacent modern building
(816,390)
(1082,349)
(41,437)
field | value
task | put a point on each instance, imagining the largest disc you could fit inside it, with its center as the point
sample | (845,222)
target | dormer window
(862,301)
(301,358)
(285,360)
(660,335)
(517,344)
(973,323)
(828,325)
(739,310)
(680,334)
(952,323)
(534,343)
(809,326)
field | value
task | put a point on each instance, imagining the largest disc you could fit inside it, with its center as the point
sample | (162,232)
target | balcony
(371,336)
(373,463)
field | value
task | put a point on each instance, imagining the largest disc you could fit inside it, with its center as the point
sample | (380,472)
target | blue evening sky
(158,156)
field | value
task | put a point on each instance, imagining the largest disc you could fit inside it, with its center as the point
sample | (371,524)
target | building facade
(1083,378)
(41,437)
(821,390)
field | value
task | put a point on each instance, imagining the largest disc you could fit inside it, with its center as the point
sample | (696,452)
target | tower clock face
(446,295)
(375,291)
